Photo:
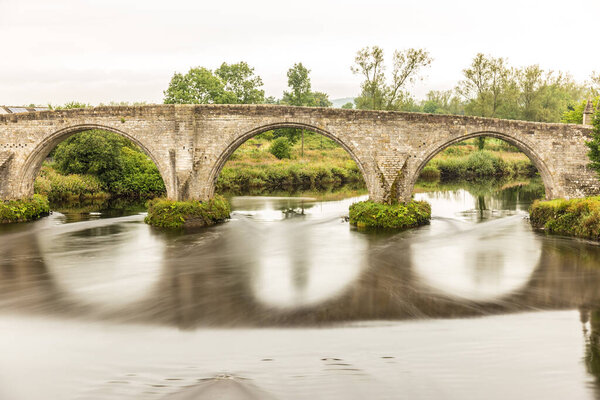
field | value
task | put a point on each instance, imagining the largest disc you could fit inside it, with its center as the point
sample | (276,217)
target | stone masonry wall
(191,143)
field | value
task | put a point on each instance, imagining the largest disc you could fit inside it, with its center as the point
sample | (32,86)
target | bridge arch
(243,137)
(545,173)
(33,162)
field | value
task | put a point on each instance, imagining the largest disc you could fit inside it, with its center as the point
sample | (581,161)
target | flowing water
(287,301)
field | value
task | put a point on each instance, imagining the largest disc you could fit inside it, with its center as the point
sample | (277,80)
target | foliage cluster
(120,166)
(367,214)
(228,84)
(24,210)
(477,164)
(281,148)
(57,187)
(171,214)
(575,217)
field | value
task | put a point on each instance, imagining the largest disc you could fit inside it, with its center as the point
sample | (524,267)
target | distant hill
(338,103)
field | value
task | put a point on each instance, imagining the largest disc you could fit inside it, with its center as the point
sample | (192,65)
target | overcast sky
(107,50)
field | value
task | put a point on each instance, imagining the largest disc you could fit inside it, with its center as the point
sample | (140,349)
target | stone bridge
(191,143)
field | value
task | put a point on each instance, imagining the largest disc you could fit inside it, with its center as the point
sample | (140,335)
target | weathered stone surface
(191,143)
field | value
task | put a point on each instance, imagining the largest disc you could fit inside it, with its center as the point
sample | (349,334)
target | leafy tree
(229,84)
(376,93)
(483,86)
(299,83)
(320,99)
(281,148)
(239,80)
(443,102)
(594,144)
(574,113)
(300,94)
(198,86)
(348,106)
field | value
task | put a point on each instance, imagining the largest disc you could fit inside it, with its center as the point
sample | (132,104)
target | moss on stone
(171,214)
(24,210)
(576,217)
(368,214)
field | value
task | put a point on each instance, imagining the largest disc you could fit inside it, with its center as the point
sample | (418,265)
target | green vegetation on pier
(171,214)
(368,214)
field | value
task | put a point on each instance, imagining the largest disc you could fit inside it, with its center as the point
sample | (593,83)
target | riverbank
(171,214)
(24,210)
(576,217)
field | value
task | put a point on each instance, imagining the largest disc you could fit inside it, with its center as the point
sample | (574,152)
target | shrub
(481,163)
(177,214)
(24,210)
(430,173)
(281,148)
(368,214)
(61,187)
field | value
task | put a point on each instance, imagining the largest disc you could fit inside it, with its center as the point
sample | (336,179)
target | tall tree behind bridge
(300,94)
(228,84)
(376,93)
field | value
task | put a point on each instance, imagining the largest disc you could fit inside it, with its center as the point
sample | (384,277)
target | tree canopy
(300,93)
(376,92)
(228,84)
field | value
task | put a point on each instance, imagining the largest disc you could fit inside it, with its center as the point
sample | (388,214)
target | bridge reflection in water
(310,269)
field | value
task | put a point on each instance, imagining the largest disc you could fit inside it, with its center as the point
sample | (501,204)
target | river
(287,301)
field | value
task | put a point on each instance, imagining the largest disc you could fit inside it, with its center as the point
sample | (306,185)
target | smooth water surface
(287,301)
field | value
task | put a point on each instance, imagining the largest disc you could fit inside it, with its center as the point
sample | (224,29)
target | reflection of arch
(34,161)
(239,140)
(539,163)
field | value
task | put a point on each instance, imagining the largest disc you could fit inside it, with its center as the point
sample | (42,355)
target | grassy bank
(24,210)
(58,187)
(322,165)
(171,214)
(367,214)
(466,161)
(576,217)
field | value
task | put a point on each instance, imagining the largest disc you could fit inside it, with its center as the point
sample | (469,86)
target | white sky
(107,50)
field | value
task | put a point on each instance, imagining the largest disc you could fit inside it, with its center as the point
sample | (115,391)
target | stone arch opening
(241,139)
(538,162)
(33,163)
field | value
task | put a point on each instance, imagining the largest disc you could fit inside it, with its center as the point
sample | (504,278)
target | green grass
(576,217)
(171,214)
(367,214)
(24,210)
